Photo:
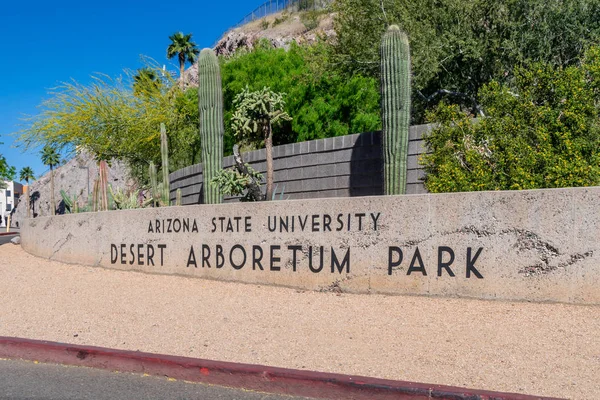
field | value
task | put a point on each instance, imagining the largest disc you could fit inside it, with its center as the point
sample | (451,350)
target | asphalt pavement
(6,238)
(20,380)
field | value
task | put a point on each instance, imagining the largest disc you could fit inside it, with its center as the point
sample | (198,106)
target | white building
(9,198)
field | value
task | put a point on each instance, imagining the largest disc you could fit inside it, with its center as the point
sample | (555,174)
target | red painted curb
(9,233)
(254,377)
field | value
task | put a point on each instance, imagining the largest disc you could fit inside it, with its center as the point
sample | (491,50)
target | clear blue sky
(43,43)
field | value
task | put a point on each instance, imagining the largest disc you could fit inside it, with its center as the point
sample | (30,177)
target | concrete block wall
(344,166)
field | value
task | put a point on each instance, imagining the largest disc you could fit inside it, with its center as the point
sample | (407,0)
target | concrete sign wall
(541,245)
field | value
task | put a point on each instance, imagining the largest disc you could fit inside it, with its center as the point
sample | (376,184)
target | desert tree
(253,119)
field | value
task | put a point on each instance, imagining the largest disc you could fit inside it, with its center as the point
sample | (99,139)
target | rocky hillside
(280,29)
(73,177)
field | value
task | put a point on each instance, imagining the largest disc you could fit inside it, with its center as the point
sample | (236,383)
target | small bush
(264,24)
(279,20)
(306,5)
(310,19)
(543,132)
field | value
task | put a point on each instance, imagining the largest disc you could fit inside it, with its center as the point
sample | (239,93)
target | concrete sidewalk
(540,349)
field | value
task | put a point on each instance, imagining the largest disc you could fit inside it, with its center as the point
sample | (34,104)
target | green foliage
(257,111)
(50,156)
(461,45)
(26,174)
(395,108)
(127,200)
(274,196)
(71,204)
(281,19)
(321,102)
(183,47)
(154,184)
(306,5)
(7,172)
(544,132)
(159,191)
(231,182)
(255,115)
(146,82)
(164,153)
(310,19)
(264,24)
(210,105)
(109,121)
(185,50)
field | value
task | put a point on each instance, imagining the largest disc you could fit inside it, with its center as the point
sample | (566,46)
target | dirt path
(543,349)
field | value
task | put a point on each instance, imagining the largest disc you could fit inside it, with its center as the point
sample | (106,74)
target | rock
(281,35)
(75,177)
(16,240)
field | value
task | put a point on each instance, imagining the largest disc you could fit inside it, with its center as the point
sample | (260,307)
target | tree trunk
(52,202)
(253,186)
(181,70)
(269,156)
(28,200)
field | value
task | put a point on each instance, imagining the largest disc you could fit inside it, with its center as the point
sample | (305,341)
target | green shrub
(281,19)
(544,132)
(310,19)
(233,183)
(306,5)
(321,102)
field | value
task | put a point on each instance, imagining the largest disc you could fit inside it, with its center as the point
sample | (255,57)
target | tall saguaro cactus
(210,103)
(164,155)
(395,108)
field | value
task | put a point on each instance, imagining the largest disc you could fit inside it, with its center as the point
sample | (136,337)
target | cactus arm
(178,197)
(67,200)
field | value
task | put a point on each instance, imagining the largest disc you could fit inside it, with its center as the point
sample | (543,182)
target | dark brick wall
(334,167)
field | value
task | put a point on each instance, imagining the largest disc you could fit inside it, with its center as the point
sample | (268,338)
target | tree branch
(253,185)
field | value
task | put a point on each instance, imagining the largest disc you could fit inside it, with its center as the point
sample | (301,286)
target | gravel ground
(542,349)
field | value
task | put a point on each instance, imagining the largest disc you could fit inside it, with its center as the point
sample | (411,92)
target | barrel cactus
(395,108)
(210,103)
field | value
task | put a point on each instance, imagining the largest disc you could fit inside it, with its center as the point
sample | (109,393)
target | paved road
(20,380)
(6,238)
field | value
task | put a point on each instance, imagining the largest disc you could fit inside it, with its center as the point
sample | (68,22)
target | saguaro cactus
(395,108)
(164,155)
(210,103)
(103,186)
(153,184)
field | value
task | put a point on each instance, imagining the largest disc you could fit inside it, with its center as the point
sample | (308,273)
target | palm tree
(51,158)
(186,50)
(26,174)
